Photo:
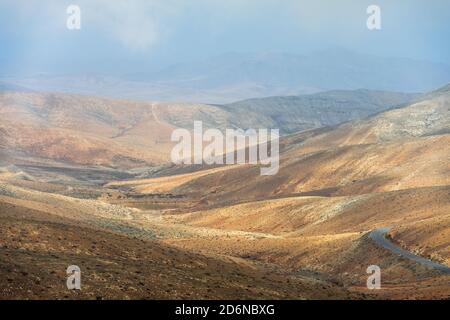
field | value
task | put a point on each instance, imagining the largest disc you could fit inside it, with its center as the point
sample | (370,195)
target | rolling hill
(305,112)
(397,149)
(121,133)
(334,186)
(81,165)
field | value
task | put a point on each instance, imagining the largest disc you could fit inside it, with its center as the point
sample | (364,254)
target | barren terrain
(86,181)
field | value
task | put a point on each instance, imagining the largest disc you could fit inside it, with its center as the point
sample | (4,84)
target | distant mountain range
(238,76)
(4,86)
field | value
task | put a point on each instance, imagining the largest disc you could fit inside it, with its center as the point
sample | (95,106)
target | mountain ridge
(231,77)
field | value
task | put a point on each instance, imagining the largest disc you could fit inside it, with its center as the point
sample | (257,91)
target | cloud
(155,32)
(134,24)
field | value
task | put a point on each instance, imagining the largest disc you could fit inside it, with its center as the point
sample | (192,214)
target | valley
(88,181)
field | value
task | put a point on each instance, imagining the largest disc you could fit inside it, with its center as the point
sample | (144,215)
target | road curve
(379,237)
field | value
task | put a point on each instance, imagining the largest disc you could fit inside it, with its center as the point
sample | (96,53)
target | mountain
(83,130)
(335,68)
(297,113)
(237,76)
(121,133)
(78,186)
(399,148)
(5,86)
(335,186)
(428,116)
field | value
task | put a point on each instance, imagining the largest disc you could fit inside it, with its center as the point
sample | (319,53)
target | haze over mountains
(237,76)
(92,94)
(351,161)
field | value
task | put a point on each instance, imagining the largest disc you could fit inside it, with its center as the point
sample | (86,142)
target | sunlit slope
(398,149)
(122,133)
(293,216)
(347,170)
(429,116)
(83,130)
(42,234)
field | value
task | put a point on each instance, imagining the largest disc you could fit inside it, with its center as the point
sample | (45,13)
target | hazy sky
(120,36)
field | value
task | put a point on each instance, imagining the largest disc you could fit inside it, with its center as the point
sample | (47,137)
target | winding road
(379,237)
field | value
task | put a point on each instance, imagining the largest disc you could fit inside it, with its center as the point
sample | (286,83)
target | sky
(126,36)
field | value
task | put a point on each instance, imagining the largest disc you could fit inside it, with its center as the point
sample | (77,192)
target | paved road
(379,237)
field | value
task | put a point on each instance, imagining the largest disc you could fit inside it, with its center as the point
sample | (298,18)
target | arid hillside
(89,186)
(126,134)
(398,149)
(335,185)
(37,244)
(83,130)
